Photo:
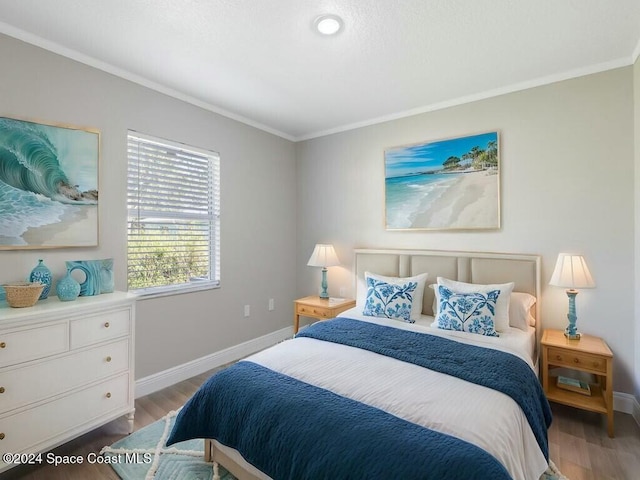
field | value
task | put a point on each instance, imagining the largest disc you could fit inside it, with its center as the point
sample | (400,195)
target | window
(173,199)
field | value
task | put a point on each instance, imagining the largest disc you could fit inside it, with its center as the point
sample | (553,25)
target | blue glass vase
(42,274)
(67,288)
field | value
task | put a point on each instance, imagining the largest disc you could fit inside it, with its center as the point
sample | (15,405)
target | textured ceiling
(259,61)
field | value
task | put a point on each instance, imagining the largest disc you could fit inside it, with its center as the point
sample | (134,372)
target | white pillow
(502,305)
(467,312)
(520,310)
(436,300)
(378,309)
(520,304)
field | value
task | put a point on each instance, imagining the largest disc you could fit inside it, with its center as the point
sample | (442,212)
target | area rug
(142,455)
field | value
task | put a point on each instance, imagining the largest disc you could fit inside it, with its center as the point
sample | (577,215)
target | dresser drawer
(31,343)
(313,311)
(576,360)
(98,328)
(28,431)
(24,385)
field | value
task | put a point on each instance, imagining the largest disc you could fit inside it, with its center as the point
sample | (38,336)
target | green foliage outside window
(160,256)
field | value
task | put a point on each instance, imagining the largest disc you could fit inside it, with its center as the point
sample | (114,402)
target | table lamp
(323,256)
(571,272)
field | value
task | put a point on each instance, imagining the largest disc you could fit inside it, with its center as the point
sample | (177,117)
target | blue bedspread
(498,370)
(307,433)
(291,430)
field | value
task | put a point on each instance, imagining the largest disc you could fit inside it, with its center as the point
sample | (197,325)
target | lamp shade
(323,256)
(571,272)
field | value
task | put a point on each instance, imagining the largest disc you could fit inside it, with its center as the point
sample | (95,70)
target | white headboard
(471,267)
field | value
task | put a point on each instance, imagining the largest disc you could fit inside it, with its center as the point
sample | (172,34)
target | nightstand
(320,308)
(588,354)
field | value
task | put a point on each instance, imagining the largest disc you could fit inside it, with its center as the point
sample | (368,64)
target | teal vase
(42,274)
(67,288)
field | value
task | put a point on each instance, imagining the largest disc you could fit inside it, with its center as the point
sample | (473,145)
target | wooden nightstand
(588,354)
(320,308)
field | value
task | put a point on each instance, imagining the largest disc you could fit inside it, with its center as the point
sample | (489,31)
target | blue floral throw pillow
(388,300)
(468,312)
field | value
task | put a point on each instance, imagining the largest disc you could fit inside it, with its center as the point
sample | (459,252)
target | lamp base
(324,294)
(571,332)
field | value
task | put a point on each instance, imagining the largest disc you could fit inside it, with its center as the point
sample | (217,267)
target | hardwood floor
(581,449)
(578,441)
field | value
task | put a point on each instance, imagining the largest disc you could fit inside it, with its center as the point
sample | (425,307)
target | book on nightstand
(573,385)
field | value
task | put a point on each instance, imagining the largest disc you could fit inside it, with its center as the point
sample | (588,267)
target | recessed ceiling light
(328,24)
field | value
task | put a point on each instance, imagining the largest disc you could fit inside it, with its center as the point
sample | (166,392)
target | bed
(364,396)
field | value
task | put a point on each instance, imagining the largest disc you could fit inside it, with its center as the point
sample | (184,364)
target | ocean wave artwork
(48,185)
(442,185)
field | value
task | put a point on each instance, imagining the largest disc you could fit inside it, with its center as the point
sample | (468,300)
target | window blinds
(173,198)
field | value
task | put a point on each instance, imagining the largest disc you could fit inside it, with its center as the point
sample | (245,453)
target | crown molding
(538,82)
(132,77)
(145,82)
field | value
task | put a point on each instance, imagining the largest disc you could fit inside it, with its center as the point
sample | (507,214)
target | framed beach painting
(48,185)
(451,184)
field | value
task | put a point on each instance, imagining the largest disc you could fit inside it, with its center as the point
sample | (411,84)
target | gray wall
(258,203)
(636,132)
(567,185)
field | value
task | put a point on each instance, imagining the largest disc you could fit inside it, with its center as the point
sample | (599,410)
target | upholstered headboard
(471,267)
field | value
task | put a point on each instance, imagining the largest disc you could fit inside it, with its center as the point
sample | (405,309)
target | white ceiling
(259,61)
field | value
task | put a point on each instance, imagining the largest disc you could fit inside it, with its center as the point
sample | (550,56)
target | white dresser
(65,368)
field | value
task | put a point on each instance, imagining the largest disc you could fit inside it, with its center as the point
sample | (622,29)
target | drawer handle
(108,395)
(2,344)
(576,360)
(108,359)
(1,436)
(106,324)
(1,389)
(558,357)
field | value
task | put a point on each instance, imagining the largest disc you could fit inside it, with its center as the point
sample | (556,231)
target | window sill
(147,293)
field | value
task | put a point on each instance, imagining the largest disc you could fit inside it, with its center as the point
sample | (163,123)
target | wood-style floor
(578,441)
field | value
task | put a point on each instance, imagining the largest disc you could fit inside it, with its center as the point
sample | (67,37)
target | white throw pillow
(467,312)
(380,302)
(520,310)
(520,305)
(502,304)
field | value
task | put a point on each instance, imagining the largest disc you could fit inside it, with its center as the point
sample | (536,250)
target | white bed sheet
(492,420)
(476,414)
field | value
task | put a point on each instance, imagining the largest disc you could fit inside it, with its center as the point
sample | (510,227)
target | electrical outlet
(247,310)
(272,305)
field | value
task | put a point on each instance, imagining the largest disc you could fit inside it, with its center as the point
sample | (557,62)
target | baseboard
(171,376)
(627,403)
(636,411)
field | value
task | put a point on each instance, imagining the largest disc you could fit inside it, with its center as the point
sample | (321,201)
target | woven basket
(23,294)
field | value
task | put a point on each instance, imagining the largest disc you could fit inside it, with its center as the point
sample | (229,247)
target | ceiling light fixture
(328,24)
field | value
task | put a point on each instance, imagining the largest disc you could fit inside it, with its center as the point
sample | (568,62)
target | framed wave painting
(451,184)
(48,185)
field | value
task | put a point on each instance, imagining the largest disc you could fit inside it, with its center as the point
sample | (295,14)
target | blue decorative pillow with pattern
(468,312)
(389,300)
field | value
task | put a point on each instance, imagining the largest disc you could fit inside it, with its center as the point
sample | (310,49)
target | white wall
(567,185)
(258,203)
(636,131)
